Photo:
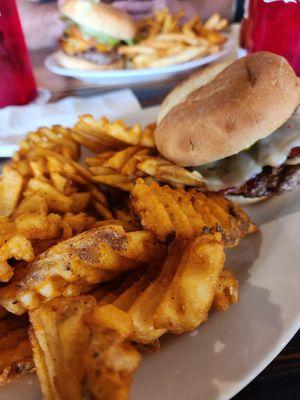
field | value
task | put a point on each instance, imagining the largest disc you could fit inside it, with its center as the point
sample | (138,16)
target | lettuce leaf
(99,36)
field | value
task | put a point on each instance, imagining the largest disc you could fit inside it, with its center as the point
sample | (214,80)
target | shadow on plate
(194,366)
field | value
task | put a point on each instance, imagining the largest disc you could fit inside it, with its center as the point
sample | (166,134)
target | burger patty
(272,180)
(96,57)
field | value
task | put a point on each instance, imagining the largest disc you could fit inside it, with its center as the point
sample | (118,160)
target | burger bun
(226,109)
(77,63)
(101,18)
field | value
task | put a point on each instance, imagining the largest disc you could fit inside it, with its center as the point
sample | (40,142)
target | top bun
(101,18)
(183,89)
(214,119)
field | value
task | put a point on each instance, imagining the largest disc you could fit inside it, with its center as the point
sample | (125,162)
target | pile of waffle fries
(100,258)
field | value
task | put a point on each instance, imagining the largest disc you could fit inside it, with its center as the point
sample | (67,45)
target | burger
(237,125)
(93,31)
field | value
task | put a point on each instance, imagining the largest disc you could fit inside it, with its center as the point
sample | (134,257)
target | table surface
(281,379)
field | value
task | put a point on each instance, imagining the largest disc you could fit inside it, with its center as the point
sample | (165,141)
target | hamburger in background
(236,124)
(93,30)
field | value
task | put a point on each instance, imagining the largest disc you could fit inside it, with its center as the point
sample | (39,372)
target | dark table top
(281,379)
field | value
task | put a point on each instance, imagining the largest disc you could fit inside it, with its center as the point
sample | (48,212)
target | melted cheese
(234,171)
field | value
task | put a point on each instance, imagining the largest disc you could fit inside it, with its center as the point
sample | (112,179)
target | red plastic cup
(273,25)
(17,84)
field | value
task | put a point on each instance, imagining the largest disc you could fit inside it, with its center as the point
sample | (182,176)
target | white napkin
(16,121)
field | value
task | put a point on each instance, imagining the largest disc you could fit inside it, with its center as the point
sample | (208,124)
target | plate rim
(52,66)
(286,338)
(282,341)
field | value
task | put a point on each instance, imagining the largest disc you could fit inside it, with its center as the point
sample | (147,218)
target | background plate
(135,76)
(223,355)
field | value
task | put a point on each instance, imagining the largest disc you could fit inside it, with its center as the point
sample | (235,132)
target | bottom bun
(78,63)
(246,201)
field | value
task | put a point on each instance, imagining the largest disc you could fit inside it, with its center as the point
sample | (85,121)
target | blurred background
(42,25)
(24,78)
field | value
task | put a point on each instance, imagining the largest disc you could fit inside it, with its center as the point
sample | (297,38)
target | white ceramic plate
(135,77)
(223,355)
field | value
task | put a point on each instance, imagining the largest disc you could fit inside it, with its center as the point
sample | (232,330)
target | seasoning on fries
(105,255)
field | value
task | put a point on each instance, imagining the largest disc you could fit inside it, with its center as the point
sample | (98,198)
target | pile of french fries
(100,258)
(165,40)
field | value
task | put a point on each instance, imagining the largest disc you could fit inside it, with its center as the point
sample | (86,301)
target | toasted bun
(78,63)
(246,201)
(245,102)
(101,18)
(195,81)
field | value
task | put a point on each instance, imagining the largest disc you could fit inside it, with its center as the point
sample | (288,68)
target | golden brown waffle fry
(188,299)
(171,214)
(128,227)
(120,169)
(227,292)
(245,224)
(164,171)
(17,248)
(75,332)
(11,184)
(94,256)
(143,308)
(100,135)
(45,196)
(15,349)
(111,360)
(175,296)
(57,139)
(151,260)
(59,338)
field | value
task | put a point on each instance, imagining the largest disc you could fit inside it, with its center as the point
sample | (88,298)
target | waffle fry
(15,350)
(18,248)
(120,169)
(106,362)
(159,298)
(10,190)
(227,291)
(57,139)
(183,214)
(91,257)
(164,171)
(185,306)
(46,196)
(109,374)
(102,324)
(149,257)
(100,135)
